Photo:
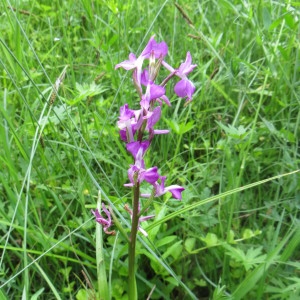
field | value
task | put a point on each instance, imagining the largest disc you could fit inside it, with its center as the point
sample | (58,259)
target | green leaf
(180,128)
(247,234)
(236,133)
(189,244)
(84,294)
(174,250)
(231,237)
(36,295)
(172,280)
(186,127)
(210,240)
(85,91)
(165,240)
(249,259)
(267,19)
(253,277)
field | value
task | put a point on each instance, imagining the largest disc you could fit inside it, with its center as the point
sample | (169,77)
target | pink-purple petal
(159,49)
(151,175)
(175,190)
(101,220)
(128,64)
(156,91)
(154,117)
(184,88)
(134,147)
(186,67)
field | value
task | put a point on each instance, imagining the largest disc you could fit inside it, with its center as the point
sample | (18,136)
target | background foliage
(222,241)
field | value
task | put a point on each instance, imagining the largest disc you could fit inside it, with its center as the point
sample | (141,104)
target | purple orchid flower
(138,149)
(153,91)
(101,220)
(128,123)
(152,118)
(186,67)
(154,48)
(125,123)
(137,172)
(184,88)
(160,189)
(157,49)
(125,114)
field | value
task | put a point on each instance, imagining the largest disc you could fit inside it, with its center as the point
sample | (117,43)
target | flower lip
(184,88)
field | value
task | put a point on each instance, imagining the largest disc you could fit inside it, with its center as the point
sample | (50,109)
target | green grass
(236,233)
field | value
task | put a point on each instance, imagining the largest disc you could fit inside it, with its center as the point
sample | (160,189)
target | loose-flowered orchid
(137,130)
(137,126)
(133,124)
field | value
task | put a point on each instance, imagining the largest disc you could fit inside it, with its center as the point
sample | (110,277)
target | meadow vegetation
(235,149)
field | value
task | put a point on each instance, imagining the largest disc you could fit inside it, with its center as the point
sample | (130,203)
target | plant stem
(132,290)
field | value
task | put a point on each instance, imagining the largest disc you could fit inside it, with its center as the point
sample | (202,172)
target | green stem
(132,290)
